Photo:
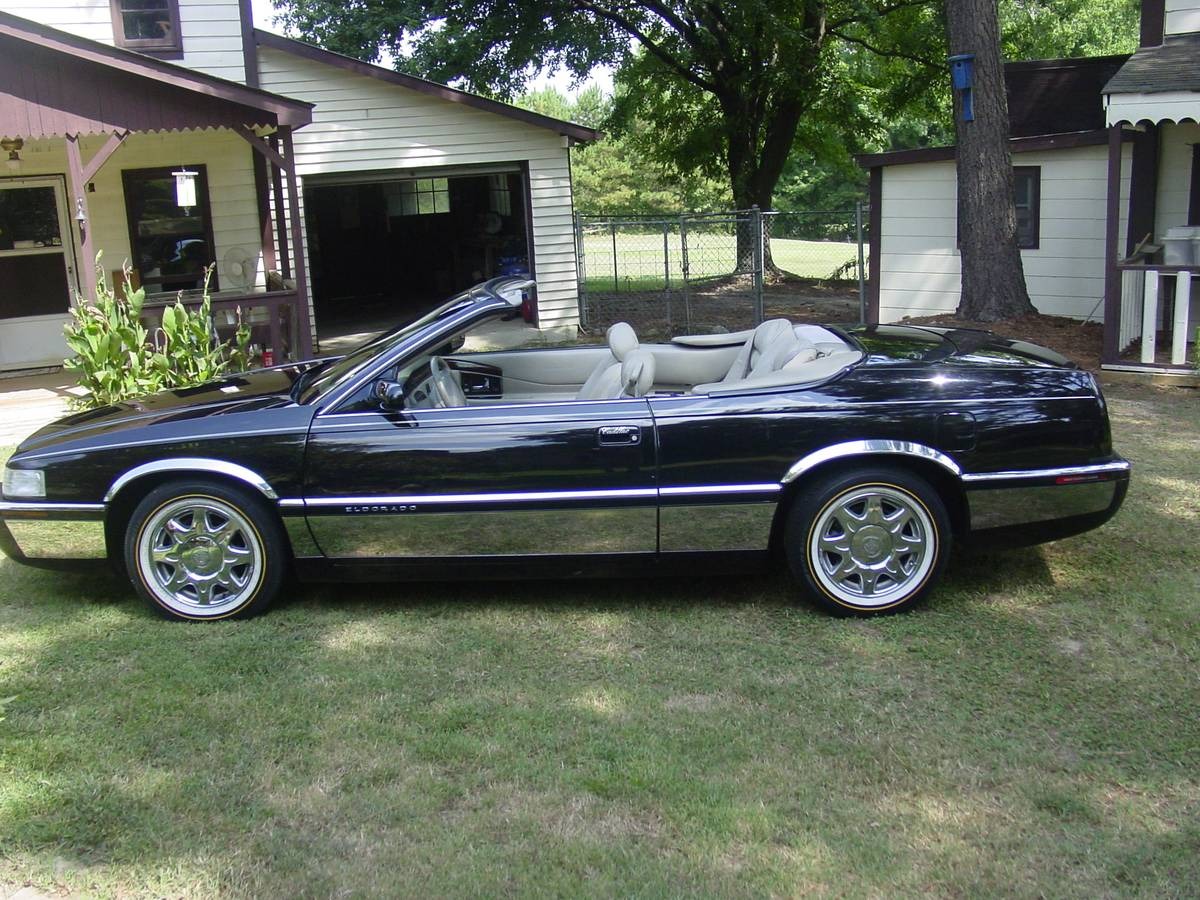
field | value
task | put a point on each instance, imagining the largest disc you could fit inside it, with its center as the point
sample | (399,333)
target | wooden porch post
(76,204)
(78,176)
(262,193)
(303,321)
(285,265)
(1112,275)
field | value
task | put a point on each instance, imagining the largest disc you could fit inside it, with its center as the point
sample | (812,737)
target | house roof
(1056,96)
(431,88)
(1031,144)
(54,83)
(1174,65)
(1053,104)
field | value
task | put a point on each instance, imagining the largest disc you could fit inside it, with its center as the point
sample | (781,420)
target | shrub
(117,360)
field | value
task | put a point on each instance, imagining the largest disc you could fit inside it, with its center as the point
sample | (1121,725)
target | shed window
(149,26)
(171,244)
(1027,198)
(424,196)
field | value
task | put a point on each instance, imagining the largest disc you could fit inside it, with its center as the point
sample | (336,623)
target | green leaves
(116,359)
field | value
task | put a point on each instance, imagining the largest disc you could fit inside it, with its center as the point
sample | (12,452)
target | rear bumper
(64,536)
(1030,507)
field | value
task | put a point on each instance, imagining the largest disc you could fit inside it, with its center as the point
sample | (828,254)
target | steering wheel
(448,390)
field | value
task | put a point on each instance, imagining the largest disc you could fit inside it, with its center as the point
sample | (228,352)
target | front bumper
(1037,505)
(64,536)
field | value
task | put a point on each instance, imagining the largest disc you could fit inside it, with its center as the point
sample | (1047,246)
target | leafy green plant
(117,358)
(187,350)
(109,343)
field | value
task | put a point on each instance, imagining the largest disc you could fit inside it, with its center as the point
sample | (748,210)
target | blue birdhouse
(962,79)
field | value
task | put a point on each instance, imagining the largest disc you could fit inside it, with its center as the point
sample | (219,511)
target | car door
(513,481)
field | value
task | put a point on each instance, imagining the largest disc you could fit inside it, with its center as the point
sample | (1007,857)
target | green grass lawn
(640,259)
(1032,731)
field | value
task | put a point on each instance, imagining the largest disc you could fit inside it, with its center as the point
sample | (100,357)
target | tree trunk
(754,170)
(993,279)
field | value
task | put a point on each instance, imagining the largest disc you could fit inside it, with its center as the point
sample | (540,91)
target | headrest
(637,373)
(622,340)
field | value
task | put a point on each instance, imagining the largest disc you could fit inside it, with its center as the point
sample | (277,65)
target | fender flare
(877,447)
(192,465)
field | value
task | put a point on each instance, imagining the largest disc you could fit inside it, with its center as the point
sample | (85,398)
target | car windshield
(319,381)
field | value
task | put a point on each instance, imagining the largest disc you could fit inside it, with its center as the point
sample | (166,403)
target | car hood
(244,392)
(926,343)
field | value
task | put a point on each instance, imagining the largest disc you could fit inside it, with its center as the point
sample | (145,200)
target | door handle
(619,435)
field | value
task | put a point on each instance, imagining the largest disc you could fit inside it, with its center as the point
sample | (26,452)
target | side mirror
(390,394)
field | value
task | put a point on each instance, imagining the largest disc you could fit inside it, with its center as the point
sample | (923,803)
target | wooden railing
(1156,299)
(273,316)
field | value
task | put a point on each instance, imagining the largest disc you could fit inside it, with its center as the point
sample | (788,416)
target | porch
(92,153)
(1152,300)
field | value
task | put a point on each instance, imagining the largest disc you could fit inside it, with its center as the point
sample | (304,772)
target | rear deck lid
(929,344)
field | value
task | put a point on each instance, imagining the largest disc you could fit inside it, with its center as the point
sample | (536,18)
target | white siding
(230,184)
(920,274)
(1174,174)
(87,18)
(362,124)
(211,29)
(212,38)
(1183,16)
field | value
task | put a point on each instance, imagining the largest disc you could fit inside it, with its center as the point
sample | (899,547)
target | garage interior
(385,247)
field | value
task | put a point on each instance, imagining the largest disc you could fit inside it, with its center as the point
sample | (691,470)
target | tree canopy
(762,101)
(726,85)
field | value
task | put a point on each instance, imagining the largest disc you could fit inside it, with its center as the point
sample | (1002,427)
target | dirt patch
(1078,341)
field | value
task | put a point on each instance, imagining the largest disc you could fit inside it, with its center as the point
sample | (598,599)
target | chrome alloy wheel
(872,546)
(200,556)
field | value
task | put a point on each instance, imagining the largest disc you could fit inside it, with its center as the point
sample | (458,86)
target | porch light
(185,188)
(13,147)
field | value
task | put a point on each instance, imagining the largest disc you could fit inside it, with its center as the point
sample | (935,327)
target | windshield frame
(342,376)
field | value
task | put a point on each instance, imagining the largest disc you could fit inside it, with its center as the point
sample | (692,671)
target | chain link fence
(712,271)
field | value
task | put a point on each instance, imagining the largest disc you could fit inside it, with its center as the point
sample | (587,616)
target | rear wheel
(870,541)
(203,551)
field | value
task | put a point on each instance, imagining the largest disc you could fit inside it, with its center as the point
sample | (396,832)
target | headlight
(24,482)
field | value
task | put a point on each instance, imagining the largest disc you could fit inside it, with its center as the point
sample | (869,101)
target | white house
(1105,155)
(406,190)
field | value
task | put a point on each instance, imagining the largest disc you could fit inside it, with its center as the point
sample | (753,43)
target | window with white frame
(424,196)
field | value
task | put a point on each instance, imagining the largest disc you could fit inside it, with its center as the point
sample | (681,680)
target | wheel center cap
(872,544)
(201,557)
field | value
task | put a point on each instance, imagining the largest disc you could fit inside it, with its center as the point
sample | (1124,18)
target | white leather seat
(606,376)
(773,345)
(637,374)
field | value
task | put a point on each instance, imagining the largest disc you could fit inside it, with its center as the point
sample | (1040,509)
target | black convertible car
(857,454)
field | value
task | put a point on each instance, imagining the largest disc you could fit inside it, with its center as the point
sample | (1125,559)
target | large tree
(743,75)
(993,277)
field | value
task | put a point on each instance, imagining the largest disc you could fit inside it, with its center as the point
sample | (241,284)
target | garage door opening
(383,249)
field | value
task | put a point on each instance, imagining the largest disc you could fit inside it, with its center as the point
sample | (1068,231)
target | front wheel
(869,541)
(199,551)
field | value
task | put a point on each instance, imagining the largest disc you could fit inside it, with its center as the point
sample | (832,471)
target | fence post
(667,272)
(616,280)
(687,289)
(758,222)
(862,275)
(580,271)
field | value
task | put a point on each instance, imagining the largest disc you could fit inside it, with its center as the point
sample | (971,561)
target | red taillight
(1078,479)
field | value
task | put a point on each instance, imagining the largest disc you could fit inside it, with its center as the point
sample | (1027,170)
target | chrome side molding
(1117,467)
(42,510)
(193,464)
(869,448)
